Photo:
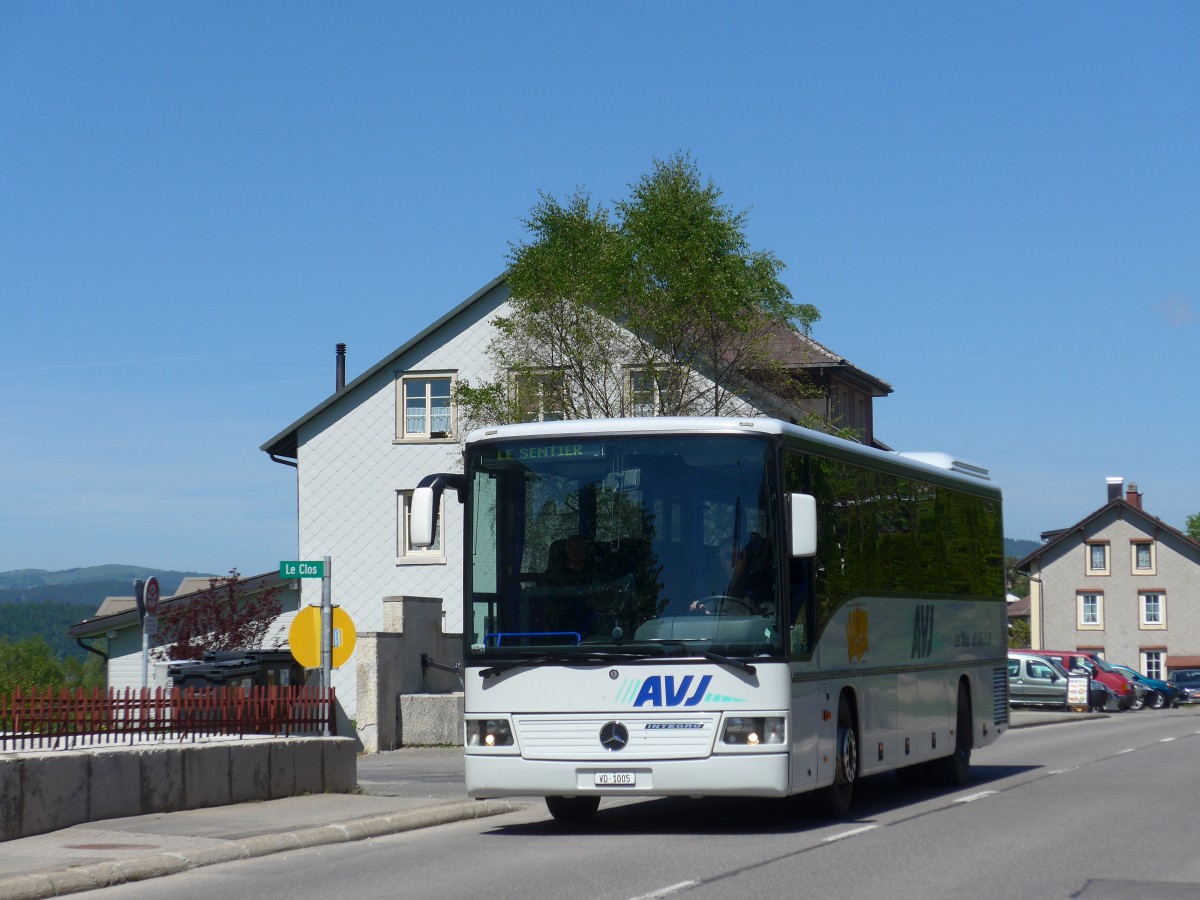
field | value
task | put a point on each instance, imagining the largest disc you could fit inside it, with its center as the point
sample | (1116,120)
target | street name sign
(302,568)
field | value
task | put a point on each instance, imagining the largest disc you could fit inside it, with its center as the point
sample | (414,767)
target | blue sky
(996,209)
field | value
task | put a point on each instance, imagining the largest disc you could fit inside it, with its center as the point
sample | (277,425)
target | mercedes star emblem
(614,736)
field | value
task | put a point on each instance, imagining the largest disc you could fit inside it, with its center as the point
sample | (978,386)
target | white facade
(352,468)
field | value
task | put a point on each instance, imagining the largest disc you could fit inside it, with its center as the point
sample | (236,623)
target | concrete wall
(46,791)
(390,677)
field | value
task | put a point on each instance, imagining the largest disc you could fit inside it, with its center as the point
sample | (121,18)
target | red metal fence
(58,718)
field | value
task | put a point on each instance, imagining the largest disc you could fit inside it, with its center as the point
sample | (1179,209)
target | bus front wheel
(835,800)
(573,809)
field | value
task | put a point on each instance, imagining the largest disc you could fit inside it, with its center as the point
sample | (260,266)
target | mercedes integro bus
(708,606)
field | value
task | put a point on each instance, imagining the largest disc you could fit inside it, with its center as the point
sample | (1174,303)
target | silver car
(1040,681)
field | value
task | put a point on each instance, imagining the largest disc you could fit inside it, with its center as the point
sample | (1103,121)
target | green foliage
(32,663)
(1018,582)
(1019,634)
(1192,529)
(665,285)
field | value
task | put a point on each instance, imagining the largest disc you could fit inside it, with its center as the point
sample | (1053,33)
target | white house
(115,631)
(360,452)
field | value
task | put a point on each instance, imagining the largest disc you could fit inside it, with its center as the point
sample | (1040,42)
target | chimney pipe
(1133,496)
(340,378)
(1114,487)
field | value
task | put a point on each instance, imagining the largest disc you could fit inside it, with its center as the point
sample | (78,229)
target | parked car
(1035,680)
(1125,693)
(1159,694)
(1188,681)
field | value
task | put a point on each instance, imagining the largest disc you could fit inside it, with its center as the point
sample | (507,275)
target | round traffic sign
(151,596)
(304,637)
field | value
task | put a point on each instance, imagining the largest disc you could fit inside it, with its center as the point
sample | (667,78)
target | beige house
(1120,582)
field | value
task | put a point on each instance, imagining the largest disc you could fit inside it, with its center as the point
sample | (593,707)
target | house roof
(799,351)
(121,612)
(1123,507)
(285,443)
(791,349)
(1019,608)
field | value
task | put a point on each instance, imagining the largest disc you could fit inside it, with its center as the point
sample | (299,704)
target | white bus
(705,606)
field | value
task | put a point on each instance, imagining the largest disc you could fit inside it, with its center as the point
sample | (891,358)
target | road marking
(1128,750)
(667,891)
(851,833)
(970,798)
(1063,771)
(1166,740)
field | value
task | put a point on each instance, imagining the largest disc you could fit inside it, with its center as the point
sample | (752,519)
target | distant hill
(87,585)
(32,578)
(39,602)
(1019,548)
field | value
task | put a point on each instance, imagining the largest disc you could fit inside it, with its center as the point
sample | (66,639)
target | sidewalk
(400,790)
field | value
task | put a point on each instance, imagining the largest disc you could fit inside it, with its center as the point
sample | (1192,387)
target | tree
(659,306)
(226,617)
(27,664)
(1193,527)
(1018,582)
(1019,634)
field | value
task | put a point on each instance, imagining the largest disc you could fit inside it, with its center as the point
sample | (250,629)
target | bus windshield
(654,545)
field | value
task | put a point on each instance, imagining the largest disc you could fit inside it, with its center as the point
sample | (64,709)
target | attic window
(1097,557)
(424,411)
(1142,554)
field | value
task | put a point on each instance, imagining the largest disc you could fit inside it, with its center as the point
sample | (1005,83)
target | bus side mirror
(423,508)
(803,530)
(420,517)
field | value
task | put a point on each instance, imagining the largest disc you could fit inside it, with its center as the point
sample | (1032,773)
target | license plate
(616,779)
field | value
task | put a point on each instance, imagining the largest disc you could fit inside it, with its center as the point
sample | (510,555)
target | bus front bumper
(752,775)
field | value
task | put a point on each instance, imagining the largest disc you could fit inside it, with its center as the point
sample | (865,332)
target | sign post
(313,568)
(326,632)
(146,596)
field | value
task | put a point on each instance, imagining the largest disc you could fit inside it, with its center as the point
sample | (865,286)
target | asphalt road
(1092,809)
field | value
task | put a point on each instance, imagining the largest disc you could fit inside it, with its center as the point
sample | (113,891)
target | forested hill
(1019,548)
(39,603)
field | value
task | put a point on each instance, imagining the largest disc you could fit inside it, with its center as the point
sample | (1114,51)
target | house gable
(1120,580)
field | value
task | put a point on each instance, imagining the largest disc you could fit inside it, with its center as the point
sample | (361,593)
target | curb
(1052,718)
(101,875)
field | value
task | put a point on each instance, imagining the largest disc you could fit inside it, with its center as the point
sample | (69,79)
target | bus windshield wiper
(728,661)
(594,656)
(708,654)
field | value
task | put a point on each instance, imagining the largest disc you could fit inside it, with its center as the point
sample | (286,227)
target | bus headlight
(489,733)
(754,731)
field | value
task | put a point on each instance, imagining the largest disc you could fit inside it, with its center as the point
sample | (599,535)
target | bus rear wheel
(955,769)
(573,809)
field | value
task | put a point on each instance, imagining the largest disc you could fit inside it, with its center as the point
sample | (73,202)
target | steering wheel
(720,601)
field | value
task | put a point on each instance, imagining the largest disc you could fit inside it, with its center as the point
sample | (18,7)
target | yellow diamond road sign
(304,637)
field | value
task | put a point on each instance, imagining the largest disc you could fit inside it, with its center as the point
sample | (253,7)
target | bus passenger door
(812,737)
